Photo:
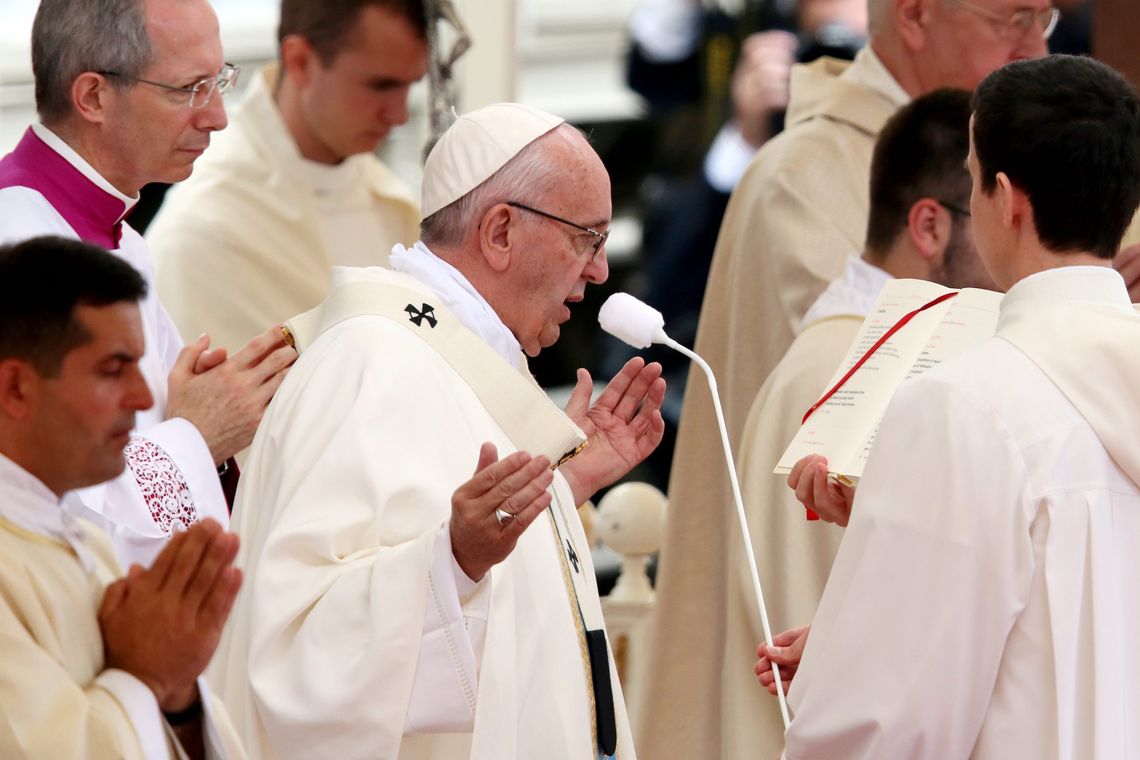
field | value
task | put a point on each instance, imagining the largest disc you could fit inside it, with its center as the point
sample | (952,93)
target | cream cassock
(798,210)
(57,700)
(793,555)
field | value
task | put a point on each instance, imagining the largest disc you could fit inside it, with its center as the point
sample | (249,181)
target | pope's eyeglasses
(599,238)
(1020,21)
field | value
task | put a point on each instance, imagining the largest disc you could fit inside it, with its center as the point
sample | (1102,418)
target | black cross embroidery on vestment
(573,557)
(419,315)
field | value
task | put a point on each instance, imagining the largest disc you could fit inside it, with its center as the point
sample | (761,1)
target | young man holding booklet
(980,603)
(918,229)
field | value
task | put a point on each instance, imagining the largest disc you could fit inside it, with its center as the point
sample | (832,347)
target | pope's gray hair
(70,37)
(530,173)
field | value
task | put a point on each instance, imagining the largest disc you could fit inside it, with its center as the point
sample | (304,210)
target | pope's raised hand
(622,427)
(831,501)
(491,510)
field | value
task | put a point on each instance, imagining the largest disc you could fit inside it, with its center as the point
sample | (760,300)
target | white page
(971,318)
(839,427)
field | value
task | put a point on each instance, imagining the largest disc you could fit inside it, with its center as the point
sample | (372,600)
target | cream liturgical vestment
(46,188)
(248,240)
(56,698)
(800,206)
(983,603)
(793,555)
(351,638)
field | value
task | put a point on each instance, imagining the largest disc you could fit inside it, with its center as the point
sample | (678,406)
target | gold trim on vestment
(25,533)
(576,613)
(570,455)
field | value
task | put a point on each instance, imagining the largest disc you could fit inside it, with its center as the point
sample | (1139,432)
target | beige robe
(794,555)
(799,208)
(238,246)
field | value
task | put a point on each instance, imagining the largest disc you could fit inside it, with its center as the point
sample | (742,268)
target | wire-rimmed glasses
(599,238)
(1019,22)
(200,92)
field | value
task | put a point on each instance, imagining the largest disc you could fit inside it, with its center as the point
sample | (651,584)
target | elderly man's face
(350,105)
(157,136)
(84,415)
(557,261)
(966,41)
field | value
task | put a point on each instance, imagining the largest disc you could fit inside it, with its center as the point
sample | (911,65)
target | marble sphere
(631,518)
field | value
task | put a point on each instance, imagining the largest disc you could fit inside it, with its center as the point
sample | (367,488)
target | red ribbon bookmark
(863,360)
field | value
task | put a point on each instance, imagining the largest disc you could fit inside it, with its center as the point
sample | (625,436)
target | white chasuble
(341,508)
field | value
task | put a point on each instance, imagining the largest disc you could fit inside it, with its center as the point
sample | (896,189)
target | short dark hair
(326,23)
(921,153)
(1066,131)
(42,280)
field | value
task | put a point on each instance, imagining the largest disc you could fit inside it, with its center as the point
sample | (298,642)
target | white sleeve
(934,568)
(139,704)
(728,157)
(221,740)
(170,480)
(455,624)
(154,734)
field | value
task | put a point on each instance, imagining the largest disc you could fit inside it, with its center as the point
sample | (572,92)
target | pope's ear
(497,231)
(19,389)
(912,20)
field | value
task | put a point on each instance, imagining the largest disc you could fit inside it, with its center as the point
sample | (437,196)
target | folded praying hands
(162,625)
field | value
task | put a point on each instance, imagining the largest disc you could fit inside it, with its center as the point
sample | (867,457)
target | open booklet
(843,428)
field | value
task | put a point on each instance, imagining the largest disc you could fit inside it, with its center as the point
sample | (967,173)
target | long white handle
(745,533)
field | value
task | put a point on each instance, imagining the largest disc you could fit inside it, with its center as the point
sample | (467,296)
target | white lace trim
(163,488)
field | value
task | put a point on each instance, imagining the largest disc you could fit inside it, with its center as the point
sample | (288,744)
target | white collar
(56,143)
(1096,284)
(460,297)
(29,504)
(853,294)
(868,70)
